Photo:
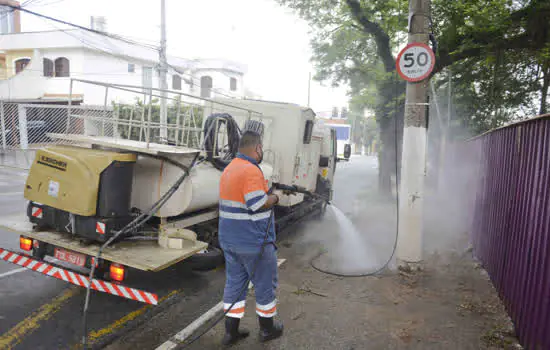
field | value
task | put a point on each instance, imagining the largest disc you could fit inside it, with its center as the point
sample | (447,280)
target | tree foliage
(497,50)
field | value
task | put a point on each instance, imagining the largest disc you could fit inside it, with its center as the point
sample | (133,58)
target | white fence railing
(25,127)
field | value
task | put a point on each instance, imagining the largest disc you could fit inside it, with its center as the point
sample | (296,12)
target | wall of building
(27,84)
(10,20)
(107,68)
(99,66)
(220,82)
(12,56)
(3,69)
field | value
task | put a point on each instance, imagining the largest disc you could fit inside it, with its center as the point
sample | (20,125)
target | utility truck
(84,189)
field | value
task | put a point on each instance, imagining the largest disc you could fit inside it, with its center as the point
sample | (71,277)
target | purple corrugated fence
(511,221)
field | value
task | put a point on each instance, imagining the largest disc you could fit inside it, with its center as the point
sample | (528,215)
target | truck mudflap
(76,278)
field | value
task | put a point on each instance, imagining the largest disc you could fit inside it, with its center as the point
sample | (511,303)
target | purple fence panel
(511,221)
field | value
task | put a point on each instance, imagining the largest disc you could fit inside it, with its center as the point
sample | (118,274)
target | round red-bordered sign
(415,62)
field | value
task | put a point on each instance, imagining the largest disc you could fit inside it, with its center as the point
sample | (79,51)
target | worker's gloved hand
(281,193)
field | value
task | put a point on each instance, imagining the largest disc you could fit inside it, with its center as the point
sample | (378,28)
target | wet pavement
(37,312)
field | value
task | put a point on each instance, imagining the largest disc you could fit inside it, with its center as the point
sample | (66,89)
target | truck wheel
(321,211)
(206,260)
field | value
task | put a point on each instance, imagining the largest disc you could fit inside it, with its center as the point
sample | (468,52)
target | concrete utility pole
(413,167)
(163,67)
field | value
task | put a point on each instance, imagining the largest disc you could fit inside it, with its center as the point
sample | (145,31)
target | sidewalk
(450,305)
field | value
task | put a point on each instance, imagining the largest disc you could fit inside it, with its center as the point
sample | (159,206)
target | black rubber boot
(232,332)
(269,328)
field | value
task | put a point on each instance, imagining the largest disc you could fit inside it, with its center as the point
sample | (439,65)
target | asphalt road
(37,312)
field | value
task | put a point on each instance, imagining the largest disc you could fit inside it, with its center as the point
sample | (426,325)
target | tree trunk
(390,154)
(544,91)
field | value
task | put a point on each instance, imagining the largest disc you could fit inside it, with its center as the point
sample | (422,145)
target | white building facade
(38,66)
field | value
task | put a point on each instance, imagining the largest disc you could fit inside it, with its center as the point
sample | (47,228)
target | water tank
(152,178)
(98,23)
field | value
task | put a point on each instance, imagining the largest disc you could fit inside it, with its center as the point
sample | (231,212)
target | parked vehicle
(80,195)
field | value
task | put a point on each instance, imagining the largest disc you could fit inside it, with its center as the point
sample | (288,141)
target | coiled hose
(211,137)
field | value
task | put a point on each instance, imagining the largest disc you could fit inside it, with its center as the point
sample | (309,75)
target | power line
(113,36)
(86,43)
(72,72)
(8,12)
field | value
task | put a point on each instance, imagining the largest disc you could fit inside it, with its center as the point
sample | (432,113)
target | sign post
(414,64)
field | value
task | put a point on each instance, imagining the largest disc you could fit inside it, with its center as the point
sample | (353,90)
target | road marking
(12,272)
(11,193)
(17,169)
(24,328)
(185,333)
(93,336)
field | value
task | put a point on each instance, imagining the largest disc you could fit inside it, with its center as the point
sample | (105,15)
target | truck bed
(141,255)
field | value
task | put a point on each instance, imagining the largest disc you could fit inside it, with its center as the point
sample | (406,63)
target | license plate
(70,257)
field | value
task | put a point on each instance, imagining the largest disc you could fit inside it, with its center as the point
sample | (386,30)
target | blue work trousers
(239,267)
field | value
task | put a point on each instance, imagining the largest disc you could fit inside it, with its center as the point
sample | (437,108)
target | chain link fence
(129,113)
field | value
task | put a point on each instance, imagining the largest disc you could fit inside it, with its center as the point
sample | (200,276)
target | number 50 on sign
(415,62)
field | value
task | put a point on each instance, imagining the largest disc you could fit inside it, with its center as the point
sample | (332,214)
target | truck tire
(321,210)
(209,259)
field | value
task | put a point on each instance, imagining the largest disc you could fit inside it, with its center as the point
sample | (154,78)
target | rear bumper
(77,278)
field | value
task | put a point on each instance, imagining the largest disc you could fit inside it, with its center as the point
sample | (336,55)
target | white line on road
(11,193)
(12,272)
(182,335)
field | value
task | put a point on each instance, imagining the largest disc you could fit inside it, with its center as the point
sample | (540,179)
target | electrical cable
(72,72)
(113,36)
(136,222)
(139,221)
(210,137)
(394,248)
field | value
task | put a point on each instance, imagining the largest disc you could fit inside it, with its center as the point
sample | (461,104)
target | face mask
(260,156)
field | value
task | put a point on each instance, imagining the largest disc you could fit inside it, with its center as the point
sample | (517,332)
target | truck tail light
(25,243)
(116,272)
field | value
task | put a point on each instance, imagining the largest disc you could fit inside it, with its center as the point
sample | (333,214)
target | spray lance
(294,189)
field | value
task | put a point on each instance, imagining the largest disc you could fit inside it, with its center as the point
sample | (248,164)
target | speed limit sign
(415,62)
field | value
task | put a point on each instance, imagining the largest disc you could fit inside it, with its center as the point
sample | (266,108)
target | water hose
(208,145)
(298,189)
(135,223)
(245,287)
(385,265)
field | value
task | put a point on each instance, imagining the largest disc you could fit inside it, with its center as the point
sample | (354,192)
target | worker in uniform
(245,213)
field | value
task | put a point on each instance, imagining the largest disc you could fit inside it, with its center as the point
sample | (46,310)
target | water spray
(298,189)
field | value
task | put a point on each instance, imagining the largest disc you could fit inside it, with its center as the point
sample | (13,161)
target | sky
(271,40)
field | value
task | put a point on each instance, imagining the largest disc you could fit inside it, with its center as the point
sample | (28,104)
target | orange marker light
(25,243)
(117,272)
